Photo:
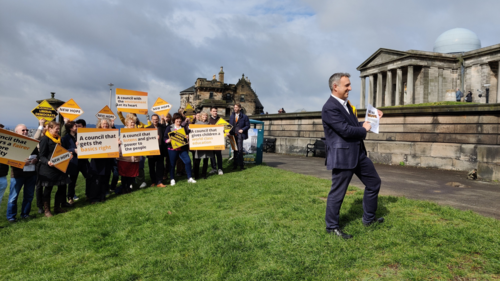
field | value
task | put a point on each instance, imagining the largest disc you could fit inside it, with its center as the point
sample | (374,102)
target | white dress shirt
(343,103)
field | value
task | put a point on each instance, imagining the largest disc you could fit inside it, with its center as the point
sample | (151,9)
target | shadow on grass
(355,211)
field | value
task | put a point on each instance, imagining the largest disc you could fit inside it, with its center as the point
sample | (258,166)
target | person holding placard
(138,124)
(101,170)
(128,167)
(22,177)
(70,143)
(156,165)
(4,170)
(166,121)
(198,155)
(214,118)
(180,152)
(50,175)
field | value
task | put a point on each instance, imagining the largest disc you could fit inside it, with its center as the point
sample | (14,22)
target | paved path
(444,187)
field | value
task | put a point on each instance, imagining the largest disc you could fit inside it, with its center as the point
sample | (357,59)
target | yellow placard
(227,126)
(60,158)
(132,101)
(97,143)
(234,146)
(161,107)
(178,138)
(44,110)
(189,112)
(15,148)
(206,137)
(139,142)
(70,110)
(106,113)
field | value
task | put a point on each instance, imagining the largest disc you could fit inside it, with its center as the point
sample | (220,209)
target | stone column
(440,95)
(363,93)
(498,85)
(399,86)
(371,90)
(409,86)
(379,100)
(388,89)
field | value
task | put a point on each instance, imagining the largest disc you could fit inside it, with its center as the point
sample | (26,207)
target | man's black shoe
(376,220)
(67,205)
(338,232)
(243,168)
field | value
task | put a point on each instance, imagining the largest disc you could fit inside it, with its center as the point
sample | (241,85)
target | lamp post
(110,93)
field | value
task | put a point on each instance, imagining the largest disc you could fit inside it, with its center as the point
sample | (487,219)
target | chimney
(221,75)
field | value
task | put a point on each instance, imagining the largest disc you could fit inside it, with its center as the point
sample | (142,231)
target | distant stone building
(207,93)
(412,77)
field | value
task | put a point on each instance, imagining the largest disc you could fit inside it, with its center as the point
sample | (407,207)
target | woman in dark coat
(49,175)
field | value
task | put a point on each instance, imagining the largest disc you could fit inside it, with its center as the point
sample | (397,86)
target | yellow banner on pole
(60,158)
(227,126)
(178,138)
(70,110)
(106,112)
(161,107)
(189,112)
(44,110)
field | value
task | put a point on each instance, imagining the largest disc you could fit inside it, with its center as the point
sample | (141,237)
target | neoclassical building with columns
(412,77)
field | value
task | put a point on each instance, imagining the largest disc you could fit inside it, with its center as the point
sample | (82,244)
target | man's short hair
(2,126)
(18,125)
(81,122)
(212,107)
(238,104)
(154,116)
(69,125)
(335,78)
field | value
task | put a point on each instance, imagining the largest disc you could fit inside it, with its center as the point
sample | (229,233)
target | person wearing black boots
(48,174)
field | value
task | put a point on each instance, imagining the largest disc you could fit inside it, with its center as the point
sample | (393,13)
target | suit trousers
(238,155)
(365,170)
(156,168)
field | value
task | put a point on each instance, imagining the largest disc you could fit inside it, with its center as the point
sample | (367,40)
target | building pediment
(382,56)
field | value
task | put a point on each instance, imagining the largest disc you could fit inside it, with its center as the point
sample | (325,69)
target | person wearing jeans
(181,152)
(22,177)
(4,170)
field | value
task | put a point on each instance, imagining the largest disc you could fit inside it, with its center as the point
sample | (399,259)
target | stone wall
(445,137)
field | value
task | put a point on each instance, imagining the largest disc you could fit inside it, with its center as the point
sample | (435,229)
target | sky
(287,48)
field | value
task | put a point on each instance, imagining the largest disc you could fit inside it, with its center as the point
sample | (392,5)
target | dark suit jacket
(243,124)
(161,141)
(69,143)
(344,135)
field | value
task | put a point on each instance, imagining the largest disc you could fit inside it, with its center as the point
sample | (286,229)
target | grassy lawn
(259,224)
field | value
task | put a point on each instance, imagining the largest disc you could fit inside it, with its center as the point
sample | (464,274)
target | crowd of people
(39,175)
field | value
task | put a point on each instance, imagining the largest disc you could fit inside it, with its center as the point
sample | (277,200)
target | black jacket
(47,173)
(4,170)
(69,143)
(169,129)
(161,141)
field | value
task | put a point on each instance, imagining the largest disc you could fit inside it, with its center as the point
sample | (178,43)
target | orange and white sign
(161,107)
(107,113)
(60,158)
(206,137)
(132,101)
(97,143)
(70,110)
(15,148)
(139,142)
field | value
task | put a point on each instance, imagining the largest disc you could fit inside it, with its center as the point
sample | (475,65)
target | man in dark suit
(156,163)
(241,124)
(346,155)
